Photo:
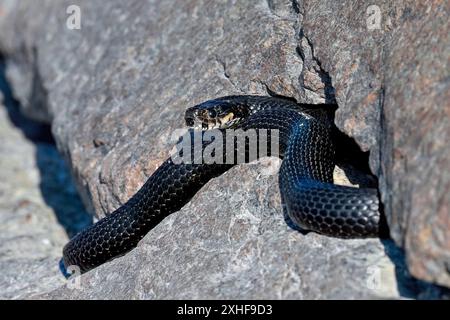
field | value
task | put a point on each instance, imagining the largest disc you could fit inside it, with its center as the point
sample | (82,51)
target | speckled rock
(392,84)
(30,237)
(115,92)
(39,206)
(231,242)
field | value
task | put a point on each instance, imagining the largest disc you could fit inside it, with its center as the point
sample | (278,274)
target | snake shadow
(56,185)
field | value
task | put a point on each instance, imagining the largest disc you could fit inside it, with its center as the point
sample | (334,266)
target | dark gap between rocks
(355,164)
(56,184)
(350,157)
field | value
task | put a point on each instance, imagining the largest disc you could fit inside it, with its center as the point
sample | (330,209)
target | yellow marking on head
(227,118)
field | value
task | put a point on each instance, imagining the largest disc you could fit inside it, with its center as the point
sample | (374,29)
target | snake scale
(311,199)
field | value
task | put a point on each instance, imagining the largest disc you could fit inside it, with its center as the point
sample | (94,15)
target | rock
(235,245)
(393,87)
(33,177)
(115,92)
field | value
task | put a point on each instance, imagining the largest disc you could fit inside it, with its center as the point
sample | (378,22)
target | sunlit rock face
(115,92)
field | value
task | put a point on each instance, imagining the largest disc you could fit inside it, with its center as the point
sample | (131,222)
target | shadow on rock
(56,183)
(407,285)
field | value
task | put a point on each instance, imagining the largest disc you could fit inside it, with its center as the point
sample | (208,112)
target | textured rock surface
(115,92)
(393,88)
(236,245)
(30,238)
(34,185)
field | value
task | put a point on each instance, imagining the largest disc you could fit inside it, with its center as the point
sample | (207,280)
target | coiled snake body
(312,201)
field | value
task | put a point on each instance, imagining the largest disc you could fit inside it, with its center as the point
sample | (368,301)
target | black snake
(311,199)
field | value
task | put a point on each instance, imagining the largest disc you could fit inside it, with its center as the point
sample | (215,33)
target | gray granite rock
(39,205)
(231,242)
(115,92)
(393,87)
(30,237)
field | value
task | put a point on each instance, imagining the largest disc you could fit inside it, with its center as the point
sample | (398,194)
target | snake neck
(254,104)
(309,152)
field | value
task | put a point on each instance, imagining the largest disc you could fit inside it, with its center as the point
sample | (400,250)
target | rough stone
(34,185)
(393,87)
(235,245)
(115,92)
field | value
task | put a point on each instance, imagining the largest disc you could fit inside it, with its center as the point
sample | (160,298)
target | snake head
(215,114)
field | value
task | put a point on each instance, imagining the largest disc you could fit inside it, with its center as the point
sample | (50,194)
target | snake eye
(212,113)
